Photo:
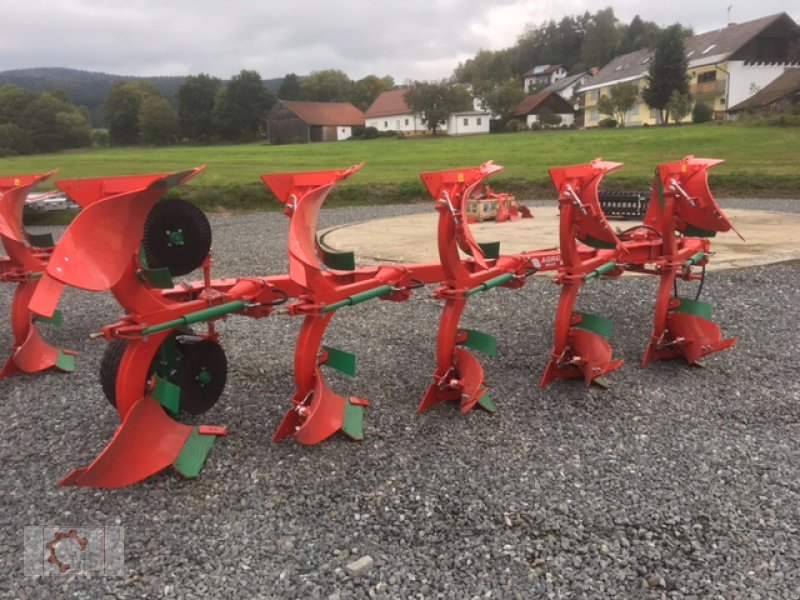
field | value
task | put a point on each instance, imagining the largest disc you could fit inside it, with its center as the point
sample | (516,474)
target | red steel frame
(100,251)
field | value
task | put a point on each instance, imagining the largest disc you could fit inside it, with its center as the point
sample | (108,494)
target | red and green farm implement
(164,355)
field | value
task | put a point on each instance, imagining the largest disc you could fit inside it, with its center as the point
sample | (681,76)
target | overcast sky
(411,39)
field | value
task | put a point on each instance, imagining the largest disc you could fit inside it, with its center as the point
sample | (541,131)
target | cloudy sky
(411,39)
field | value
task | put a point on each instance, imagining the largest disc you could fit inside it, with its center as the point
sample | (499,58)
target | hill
(90,88)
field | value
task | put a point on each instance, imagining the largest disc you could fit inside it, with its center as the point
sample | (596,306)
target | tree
(196,106)
(330,85)
(121,110)
(434,101)
(290,88)
(668,71)
(14,140)
(502,99)
(620,100)
(679,106)
(240,110)
(54,123)
(13,100)
(158,123)
(366,90)
(702,113)
(601,40)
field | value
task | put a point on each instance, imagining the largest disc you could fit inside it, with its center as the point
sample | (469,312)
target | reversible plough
(130,240)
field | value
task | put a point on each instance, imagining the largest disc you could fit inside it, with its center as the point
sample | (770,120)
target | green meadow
(760,162)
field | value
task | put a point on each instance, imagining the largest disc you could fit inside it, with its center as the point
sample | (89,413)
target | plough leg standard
(131,241)
(26,261)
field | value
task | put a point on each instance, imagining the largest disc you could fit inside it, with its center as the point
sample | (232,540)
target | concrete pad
(771,237)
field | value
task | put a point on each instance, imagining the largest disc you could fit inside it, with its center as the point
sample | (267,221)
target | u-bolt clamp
(676,187)
(576,200)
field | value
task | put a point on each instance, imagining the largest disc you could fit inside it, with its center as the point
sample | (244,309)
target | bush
(702,113)
(100,138)
(549,119)
(515,125)
(608,123)
(370,133)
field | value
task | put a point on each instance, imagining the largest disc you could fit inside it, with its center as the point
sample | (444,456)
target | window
(386,124)
(634,109)
(406,122)
(709,49)
(706,77)
(593,95)
(478,121)
(466,121)
(593,114)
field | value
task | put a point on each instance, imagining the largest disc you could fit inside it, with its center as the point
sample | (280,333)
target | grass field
(761,162)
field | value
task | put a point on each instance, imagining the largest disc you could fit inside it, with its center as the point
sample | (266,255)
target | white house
(390,112)
(468,122)
(541,76)
(725,67)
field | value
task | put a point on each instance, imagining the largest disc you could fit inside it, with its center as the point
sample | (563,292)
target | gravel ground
(676,482)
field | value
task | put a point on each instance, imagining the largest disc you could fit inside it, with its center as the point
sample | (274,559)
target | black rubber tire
(171,216)
(112,358)
(109,366)
(208,356)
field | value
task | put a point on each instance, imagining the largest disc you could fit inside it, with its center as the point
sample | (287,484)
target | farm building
(779,95)
(726,66)
(531,108)
(294,121)
(390,112)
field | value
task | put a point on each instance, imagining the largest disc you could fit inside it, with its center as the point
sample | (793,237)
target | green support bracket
(595,243)
(158,278)
(596,324)
(65,362)
(692,231)
(487,404)
(483,342)
(342,361)
(695,307)
(57,320)
(168,395)
(353,424)
(194,453)
(41,240)
(490,249)
(340,261)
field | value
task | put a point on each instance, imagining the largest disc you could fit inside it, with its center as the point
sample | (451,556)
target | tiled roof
(389,103)
(701,49)
(541,70)
(786,84)
(564,83)
(326,113)
(531,103)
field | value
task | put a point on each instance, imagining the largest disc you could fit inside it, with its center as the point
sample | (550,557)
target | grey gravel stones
(677,482)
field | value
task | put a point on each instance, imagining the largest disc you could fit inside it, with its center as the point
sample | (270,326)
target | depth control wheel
(177,236)
(201,375)
(198,368)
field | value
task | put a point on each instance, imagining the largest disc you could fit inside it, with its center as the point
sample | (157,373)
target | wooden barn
(293,121)
(531,106)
